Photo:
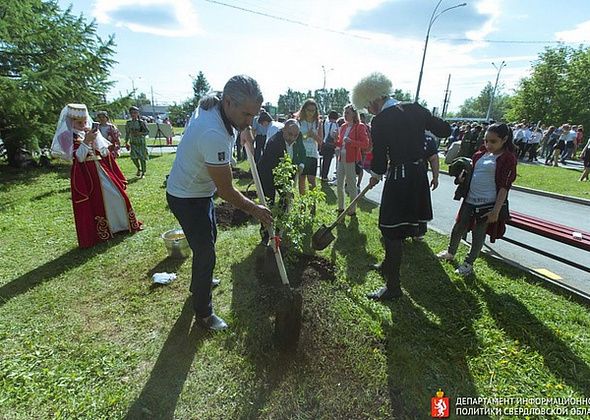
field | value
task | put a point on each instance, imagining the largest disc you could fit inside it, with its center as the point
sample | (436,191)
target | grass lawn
(83,334)
(558,180)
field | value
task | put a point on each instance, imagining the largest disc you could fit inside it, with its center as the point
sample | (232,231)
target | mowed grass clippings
(84,334)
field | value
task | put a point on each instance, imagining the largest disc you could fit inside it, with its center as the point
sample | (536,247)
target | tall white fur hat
(77,111)
(374,86)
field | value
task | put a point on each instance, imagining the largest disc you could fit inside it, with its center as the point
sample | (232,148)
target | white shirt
(330,128)
(206,142)
(273,128)
(482,189)
(536,137)
(389,103)
(311,146)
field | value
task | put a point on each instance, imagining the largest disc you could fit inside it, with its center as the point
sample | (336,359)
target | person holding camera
(101,206)
(485,206)
(135,132)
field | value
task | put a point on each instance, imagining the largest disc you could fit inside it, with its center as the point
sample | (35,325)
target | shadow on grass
(430,336)
(352,244)
(50,193)
(367,205)
(331,197)
(253,307)
(52,269)
(518,322)
(159,396)
(12,177)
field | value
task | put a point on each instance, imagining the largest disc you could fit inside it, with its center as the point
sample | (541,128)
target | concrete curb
(577,200)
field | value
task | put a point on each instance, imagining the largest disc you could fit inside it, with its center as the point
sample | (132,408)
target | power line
(296,22)
(505,41)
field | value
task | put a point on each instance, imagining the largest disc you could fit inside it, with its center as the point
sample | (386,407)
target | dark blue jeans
(197,219)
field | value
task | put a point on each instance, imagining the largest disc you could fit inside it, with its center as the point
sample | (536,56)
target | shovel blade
(322,238)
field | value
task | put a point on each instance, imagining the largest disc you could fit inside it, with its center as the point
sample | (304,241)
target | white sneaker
(445,256)
(464,269)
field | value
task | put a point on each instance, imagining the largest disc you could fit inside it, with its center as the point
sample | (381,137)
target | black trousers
(327,155)
(197,219)
(392,264)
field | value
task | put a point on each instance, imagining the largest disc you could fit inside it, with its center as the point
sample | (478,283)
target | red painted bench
(561,233)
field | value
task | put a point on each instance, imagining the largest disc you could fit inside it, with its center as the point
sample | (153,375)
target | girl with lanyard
(312,133)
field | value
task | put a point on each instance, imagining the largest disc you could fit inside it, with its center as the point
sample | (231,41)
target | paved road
(551,209)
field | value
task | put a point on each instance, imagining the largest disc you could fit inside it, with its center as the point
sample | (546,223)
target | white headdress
(62,145)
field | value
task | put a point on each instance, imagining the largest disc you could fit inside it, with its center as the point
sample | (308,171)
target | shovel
(324,236)
(288,317)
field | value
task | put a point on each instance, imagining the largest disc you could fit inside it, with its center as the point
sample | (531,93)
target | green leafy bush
(294,214)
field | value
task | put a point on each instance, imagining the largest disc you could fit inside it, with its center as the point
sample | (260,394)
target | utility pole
(447,98)
(502,64)
(153,108)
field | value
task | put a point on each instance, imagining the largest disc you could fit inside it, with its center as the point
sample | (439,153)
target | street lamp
(433,18)
(133,86)
(323,96)
(502,64)
(325,72)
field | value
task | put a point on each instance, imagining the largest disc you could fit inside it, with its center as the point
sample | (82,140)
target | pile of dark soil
(238,173)
(229,216)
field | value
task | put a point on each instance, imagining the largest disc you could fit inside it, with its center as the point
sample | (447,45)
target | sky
(163,44)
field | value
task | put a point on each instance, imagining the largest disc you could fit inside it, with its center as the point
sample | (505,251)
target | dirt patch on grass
(228,216)
(301,270)
(303,273)
(238,173)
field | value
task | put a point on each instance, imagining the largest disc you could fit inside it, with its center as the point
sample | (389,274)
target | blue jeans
(197,219)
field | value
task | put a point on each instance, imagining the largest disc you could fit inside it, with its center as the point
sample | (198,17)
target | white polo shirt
(206,142)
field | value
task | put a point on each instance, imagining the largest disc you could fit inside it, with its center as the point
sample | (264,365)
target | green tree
(546,94)
(402,96)
(178,113)
(290,101)
(201,88)
(48,57)
(142,99)
(332,99)
(477,107)
(578,88)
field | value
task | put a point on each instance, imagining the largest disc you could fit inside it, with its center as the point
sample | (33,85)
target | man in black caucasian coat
(398,148)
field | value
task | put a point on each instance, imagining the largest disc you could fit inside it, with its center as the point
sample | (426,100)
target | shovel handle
(352,203)
(262,198)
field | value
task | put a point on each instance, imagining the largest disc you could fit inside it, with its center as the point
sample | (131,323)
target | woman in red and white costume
(101,206)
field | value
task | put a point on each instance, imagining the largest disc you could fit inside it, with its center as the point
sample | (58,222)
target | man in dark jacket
(287,140)
(398,148)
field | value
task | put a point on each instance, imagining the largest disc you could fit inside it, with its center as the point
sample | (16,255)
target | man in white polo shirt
(202,167)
